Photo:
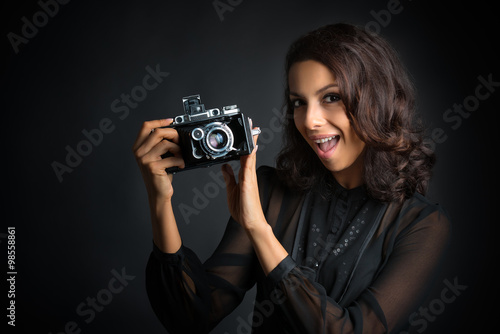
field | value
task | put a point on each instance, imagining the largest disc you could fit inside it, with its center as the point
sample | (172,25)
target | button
(311,263)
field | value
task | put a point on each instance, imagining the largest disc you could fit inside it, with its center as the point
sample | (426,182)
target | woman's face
(320,116)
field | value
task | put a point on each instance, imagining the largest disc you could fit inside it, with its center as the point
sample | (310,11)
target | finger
(253,154)
(252,157)
(158,167)
(159,149)
(256,135)
(156,137)
(146,129)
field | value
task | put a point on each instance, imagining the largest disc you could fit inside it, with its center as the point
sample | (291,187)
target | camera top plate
(194,111)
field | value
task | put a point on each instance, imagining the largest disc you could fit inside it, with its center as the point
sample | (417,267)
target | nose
(314,117)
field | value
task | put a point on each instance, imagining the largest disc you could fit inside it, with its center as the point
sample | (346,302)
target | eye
(331,98)
(297,103)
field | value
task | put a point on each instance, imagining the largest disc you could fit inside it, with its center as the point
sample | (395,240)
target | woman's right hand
(152,142)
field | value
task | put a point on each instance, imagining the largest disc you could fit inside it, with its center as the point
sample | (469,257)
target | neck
(352,176)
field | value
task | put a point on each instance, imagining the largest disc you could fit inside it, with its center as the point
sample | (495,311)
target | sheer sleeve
(418,239)
(190,297)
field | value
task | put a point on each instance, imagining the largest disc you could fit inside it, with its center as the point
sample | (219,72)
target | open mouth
(326,144)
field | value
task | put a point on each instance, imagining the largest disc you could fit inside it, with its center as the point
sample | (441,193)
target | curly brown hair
(379,99)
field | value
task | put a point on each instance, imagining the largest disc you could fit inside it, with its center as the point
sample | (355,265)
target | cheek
(356,145)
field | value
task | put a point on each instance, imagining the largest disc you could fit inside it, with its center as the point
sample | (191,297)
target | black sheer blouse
(355,265)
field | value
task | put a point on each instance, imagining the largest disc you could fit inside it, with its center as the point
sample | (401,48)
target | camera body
(211,136)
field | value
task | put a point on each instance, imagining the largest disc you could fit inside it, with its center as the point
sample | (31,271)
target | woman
(338,238)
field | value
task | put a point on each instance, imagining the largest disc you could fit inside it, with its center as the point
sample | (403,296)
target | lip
(321,154)
(317,137)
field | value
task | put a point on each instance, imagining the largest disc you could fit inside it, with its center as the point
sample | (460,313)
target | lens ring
(219,139)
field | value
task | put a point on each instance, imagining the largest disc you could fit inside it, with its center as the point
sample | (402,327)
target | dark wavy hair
(379,99)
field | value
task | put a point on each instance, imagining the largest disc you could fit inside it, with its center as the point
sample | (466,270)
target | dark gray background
(72,234)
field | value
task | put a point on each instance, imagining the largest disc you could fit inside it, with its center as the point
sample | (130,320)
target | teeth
(324,140)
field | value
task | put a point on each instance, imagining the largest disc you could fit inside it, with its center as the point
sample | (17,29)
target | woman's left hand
(243,197)
(243,200)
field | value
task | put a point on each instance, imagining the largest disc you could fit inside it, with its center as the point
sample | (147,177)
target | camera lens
(217,139)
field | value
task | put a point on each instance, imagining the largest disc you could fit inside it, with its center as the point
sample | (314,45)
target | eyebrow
(319,91)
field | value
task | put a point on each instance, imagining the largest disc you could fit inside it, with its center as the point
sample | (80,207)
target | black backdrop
(81,76)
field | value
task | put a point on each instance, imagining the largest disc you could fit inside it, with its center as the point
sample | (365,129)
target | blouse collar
(340,192)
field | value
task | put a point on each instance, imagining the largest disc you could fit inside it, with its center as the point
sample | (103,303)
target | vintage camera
(211,136)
